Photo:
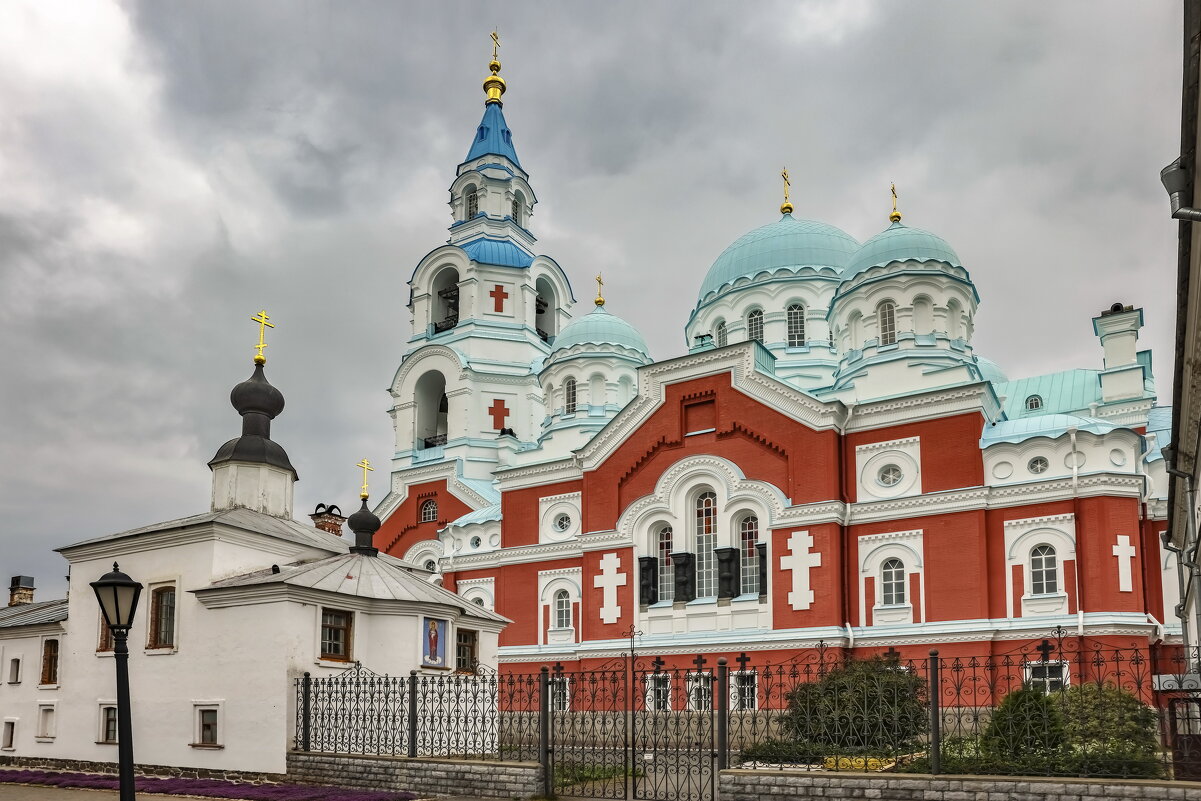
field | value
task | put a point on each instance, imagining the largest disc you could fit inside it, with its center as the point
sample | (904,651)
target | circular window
(431,565)
(562,522)
(476,542)
(890,475)
(1038,464)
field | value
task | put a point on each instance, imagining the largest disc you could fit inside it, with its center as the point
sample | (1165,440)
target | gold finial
(261,318)
(366,465)
(494,85)
(895,216)
(600,296)
(785,207)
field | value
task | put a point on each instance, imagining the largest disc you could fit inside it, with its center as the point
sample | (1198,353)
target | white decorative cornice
(534,475)
(890,536)
(917,406)
(447,471)
(520,554)
(886,445)
(561,572)
(1045,520)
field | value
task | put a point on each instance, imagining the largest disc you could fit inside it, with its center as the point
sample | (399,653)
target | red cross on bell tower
(498,296)
(499,412)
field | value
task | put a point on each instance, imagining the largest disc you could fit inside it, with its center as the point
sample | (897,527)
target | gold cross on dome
(784,175)
(366,465)
(261,318)
(495,45)
(600,295)
(895,216)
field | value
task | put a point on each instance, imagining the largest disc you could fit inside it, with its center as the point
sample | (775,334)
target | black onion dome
(258,402)
(256,395)
(364,524)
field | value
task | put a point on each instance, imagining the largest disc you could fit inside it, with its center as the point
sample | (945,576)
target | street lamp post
(118,595)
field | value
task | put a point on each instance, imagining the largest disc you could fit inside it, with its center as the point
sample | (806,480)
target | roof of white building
(245,519)
(379,577)
(33,614)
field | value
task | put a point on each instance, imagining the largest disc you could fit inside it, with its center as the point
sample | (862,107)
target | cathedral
(830,462)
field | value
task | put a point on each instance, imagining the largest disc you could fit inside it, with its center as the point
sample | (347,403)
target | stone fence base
(421,775)
(775,785)
(164,771)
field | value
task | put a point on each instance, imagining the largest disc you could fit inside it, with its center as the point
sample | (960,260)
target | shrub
(1111,732)
(864,706)
(1026,728)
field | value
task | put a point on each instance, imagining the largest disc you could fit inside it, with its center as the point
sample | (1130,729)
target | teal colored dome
(787,244)
(990,370)
(899,242)
(599,327)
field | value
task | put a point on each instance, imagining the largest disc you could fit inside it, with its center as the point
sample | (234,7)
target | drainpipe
(846,530)
(1188,554)
(1175,178)
(1076,510)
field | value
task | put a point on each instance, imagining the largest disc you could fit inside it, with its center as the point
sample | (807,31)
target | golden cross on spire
(261,318)
(366,465)
(495,45)
(895,216)
(785,207)
(600,296)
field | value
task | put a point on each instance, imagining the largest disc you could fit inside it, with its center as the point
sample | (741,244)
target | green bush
(1111,732)
(1026,727)
(862,706)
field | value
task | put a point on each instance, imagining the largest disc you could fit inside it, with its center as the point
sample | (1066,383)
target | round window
(431,565)
(890,475)
(562,522)
(476,542)
(1038,464)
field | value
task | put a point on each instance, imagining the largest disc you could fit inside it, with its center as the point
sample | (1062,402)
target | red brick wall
(401,529)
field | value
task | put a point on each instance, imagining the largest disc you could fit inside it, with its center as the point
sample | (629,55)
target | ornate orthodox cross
(1045,649)
(366,465)
(261,318)
(495,45)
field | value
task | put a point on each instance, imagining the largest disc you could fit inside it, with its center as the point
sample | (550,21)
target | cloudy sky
(167,169)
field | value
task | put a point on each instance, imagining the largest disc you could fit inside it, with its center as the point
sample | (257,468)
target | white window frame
(100,721)
(46,733)
(795,314)
(703,683)
(737,702)
(8,734)
(754,325)
(893,582)
(1033,403)
(1041,684)
(652,684)
(15,670)
(570,395)
(432,515)
(666,571)
(886,323)
(706,542)
(1041,572)
(748,578)
(152,618)
(557,621)
(720,336)
(560,693)
(199,707)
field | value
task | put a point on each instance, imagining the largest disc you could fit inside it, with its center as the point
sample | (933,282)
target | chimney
(20,590)
(328,518)
(1123,376)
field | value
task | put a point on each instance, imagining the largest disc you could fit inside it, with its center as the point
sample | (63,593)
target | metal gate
(1184,719)
(634,729)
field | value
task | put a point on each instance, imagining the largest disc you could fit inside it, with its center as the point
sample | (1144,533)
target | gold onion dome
(494,85)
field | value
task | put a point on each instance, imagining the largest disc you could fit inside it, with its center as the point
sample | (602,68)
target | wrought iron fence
(638,727)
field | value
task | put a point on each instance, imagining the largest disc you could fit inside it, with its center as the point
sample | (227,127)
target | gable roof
(33,614)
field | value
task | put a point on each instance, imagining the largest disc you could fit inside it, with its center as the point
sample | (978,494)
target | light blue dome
(787,244)
(990,370)
(899,242)
(599,327)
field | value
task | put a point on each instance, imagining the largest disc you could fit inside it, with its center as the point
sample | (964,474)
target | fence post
(723,714)
(935,715)
(306,702)
(412,713)
(544,750)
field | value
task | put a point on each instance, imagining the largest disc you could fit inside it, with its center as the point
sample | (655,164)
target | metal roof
(600,327)
(244,519)
(493,136)
(377,577)
(33,614)
(899,242)
(1062,392)
(1046,425)
(486,515)
(500,252)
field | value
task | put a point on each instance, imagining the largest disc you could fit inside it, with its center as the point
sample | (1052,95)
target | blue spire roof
(787,244)
(493,137)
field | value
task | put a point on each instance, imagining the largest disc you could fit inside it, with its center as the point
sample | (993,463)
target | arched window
(954,319)
(667,573)
(754,325)
(562,610)
(546,310)
(432,411)
(706,541)
(516,209)
(1033,403)
(429,511)
(892,582)
(886,319)
(720,334)
(855,326)
(473,203)
(748,535)
(444,309)
(923,315)
(1044,571)
(569,396)
(796,326)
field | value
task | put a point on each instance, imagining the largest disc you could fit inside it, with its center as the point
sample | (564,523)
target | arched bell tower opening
(445,308)
(546,318)
(432,411)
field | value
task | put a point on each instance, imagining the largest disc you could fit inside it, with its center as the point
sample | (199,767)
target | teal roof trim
(599,327)
(901,243)
(1062,392)
(500,252)
(1159,423)
(488,514)
(1050,426)
(787,244)
(493,137)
